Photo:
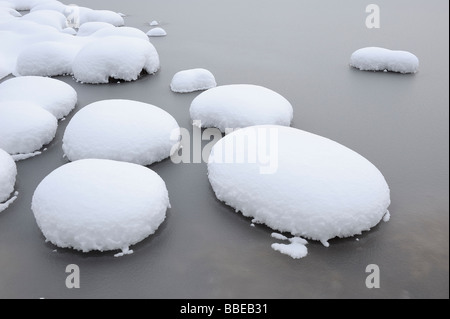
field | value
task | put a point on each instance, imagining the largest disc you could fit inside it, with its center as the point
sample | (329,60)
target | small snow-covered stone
(380,59)
(100,205)
(193,80)
(157,32)
(25,127)
(238,106)
(121,130)
(52,95)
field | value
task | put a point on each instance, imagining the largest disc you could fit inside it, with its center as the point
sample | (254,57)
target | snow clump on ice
(100,205)
(193,80)
(121,130)
(319,190)
(238,106)
(52,95)
(380,59)
(296,249)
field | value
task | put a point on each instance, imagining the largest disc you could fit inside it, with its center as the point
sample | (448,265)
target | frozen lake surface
(300,49)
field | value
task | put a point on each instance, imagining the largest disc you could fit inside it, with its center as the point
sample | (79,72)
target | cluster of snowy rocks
(107,199)
(57,39)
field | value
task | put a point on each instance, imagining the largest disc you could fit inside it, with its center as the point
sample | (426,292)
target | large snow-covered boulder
(52,95)
(100,205)
(238,106)
(115,57)
(121,130)
(298,182)
(25,127)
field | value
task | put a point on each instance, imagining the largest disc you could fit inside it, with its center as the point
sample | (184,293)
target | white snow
(154,23)
(24,5)
(25,127)
(90,28)
(121,130)
(238,106)
(387,217)
(50,18)
(193,80)
(52,95)
(279,236)
(115,57)
(44,42)
(46,59)
(82,14)
(8,203)
(8,173)
(100,205)
(296,250)
(316,188)
(121,32)
(22,157)
(157,32)
(380,59)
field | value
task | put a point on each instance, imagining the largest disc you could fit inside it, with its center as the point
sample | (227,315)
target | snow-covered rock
(52,95)
(90,28)
(380,59)
(100,205)
(157,32)
(115,57)
(25,5)
(121,130)
(25,127)
(193,80)
(50,18)
(237,106)
(8,173)
(47,59)
(311,187)
(121,32)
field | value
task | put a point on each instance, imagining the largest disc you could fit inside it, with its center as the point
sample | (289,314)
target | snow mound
(193,80)
(25,5)
(8,173)
(157,32)
(52,95)
(88,15)
(311,187)
(100,205)
(47,59)
(25,127)
(50,18)
(380,59)
(82,15)
(8,14)
(121,130)
(237,106)
(154,23)
(121,32)
(115,57)
(69,31)
(90,28)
